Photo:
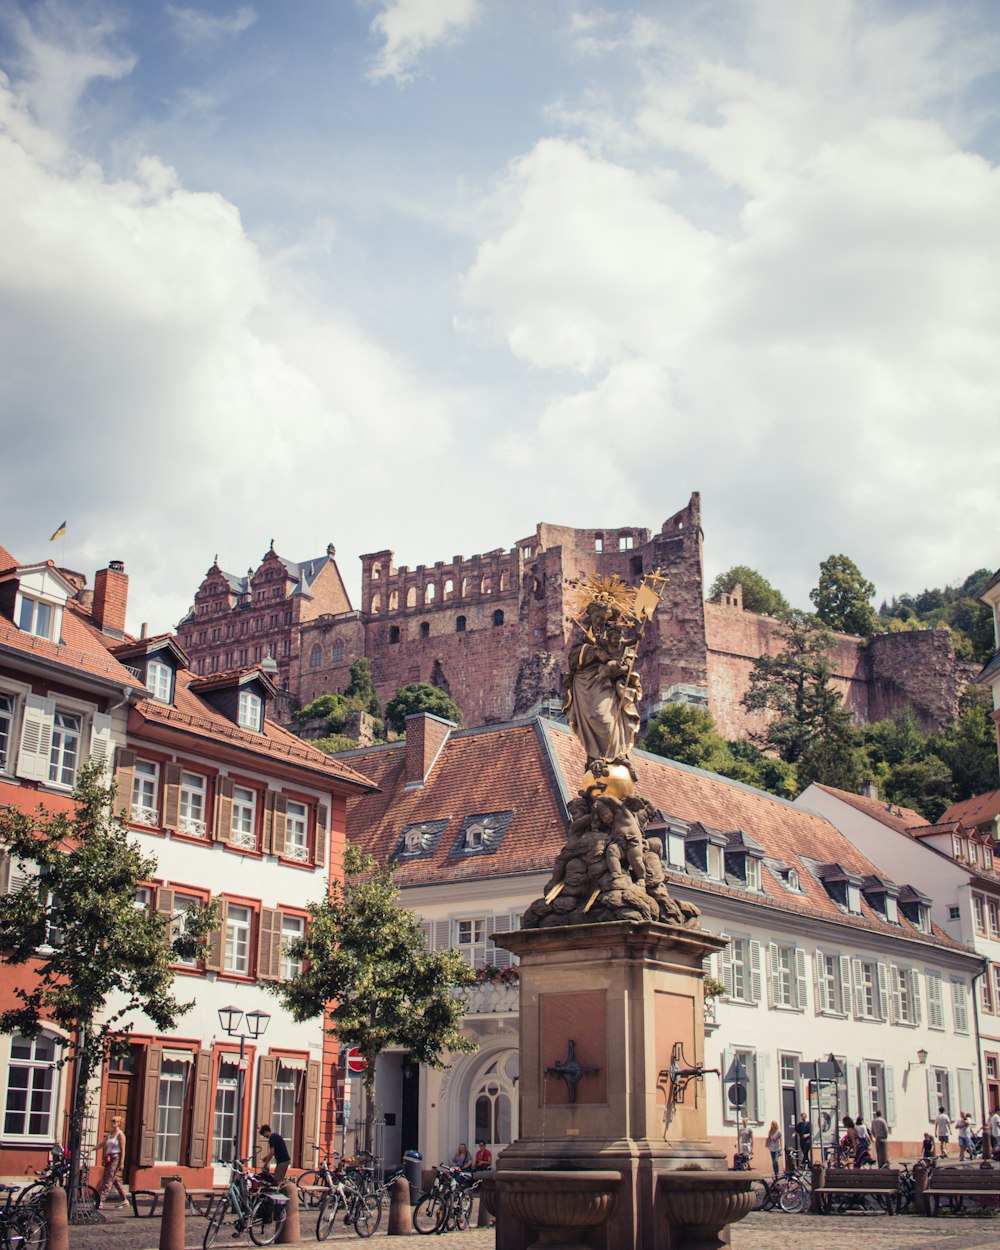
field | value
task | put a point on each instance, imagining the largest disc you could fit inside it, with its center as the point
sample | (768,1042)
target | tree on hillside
(758,593)
(366,968)
(361,688)
(953,607)
(843,598)
(339,711)
(92,960)
(785,684)
(420,696)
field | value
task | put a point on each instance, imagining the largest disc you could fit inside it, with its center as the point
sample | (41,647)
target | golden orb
(618,783)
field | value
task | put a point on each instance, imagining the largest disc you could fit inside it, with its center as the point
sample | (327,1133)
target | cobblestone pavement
(759,1231)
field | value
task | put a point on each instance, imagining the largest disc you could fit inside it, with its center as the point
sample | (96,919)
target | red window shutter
(124,776)
(322,818)
(201,1112)
(150,1103)
(171,795)
(223,809)
(217,942)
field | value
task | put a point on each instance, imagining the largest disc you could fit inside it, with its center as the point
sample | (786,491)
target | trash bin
(413,1170)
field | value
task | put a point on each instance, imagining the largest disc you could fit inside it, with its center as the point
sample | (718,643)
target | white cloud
(197,27)
(410,28)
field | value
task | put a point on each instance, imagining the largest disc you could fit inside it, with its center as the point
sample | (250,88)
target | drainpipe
(983,970)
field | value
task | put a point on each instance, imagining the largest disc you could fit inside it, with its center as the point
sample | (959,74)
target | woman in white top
(113,1156)
(773,1143)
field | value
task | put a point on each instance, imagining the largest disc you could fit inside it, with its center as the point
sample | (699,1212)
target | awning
(294,1062)
(178,1056)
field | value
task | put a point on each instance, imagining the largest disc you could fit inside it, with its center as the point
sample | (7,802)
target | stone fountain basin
(707,1199)
(559,1199)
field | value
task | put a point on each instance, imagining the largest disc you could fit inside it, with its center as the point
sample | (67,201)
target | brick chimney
(111,598)
(869,790)
(425,737)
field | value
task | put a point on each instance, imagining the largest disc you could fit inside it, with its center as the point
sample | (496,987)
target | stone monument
(613,1150)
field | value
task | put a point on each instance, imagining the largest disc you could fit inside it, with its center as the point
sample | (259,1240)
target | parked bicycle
(21,1227)
(345,1196)
(56,1172)
(256,1206)
(447,1205)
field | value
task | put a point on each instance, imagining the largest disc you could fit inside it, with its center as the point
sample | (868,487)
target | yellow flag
(645,601)
(59,532)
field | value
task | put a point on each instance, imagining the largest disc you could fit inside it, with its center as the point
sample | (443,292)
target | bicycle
(363,1210)
(447,1205)
(21,1228)
(56,1172)
(259,1209)
(786,1192)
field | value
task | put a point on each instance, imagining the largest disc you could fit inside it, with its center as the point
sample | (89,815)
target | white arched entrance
(485,1108)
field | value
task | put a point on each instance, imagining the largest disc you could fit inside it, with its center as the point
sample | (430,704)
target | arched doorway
(493,1102)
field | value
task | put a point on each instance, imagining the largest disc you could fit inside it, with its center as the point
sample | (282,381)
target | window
(31,1088)
(954,913)
(239,923)
(145,793)
(740,963)
(870,989)
(875,1091)
(598,542)
(988,858)
(986,993)
(752,1108)
(337,652)
(625,542)
(789,1065)
(470,940)
(182,903)
(393,633)
(286,1091)
(158,680)
(935,1001)
(292,927)
(979,912)
(787,965)
(65,750)
(425,629)
(492,1110)
(224,1123)
(959,1004)
(833,984)
(941,1090)
(191,817)
(752,870)
(6,730)
(315,655)
(459,624)
(996,985)
(243,831)
(905,995)
(170,1110)
(994,910)
(297,831)
(251,706)
(38,618)
(498,617)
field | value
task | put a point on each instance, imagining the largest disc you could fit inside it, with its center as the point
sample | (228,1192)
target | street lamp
(231,1018)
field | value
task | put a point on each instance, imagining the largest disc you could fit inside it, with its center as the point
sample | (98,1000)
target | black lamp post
(231,1019)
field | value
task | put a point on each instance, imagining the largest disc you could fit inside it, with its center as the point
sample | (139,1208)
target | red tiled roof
(194,715)
(82,648)
(902,819)
(977,810)
(531,767)
(7,561)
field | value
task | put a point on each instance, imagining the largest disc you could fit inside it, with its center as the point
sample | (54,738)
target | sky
(420,274)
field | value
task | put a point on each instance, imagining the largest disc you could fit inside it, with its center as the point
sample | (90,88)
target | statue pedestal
(623,993)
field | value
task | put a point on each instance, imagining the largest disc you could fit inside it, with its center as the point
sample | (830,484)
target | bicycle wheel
(793,1199)
(215,1223)
(266,1219)
(759,1190)
(329,1208)
(369,1215)
(463,1217)
(310,1185)
(25,1230)
(32,1195)
(428,1214)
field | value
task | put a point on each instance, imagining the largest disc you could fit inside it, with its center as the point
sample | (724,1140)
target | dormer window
(251,710)
(752,873)
(412,841)
(853,898)
(792,880)
(987,859)
(158,680)
(474,838)
(36,617)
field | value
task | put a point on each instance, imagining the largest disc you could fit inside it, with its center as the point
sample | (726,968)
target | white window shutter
(442,935)
(800,978)
(935,1004)
(915,995)
(726,958)
(932,1098)
(36,738)
(883,995)
(844,1004)
(772,973)
(851,1080)
(966,1091)
(889,1110)
(755,985)
(759,1063)
(425,929)
(896,997)
(818,965)
(864,1089)
(20,874)
(859,997)
(101,744)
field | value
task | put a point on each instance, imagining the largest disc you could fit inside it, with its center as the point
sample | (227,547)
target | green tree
(968,749)
(786,684)
(686,734)
(333,743)
(334,709)
(758,593)
(843,597)
(361,688)
(420,696)
(92,959)
(366,969)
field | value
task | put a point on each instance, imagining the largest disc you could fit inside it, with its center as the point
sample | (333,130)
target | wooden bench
(980,1182)
(881,1183)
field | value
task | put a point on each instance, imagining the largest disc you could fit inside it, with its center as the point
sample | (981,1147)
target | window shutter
(442,935)
(726,959)
(800,978)
(896,1013)
(821,1003)
(932,1098)
(760,1086)
(915,994)
(165,911)
(267,1071)
(496,954)
(755,984)
(310,1114)
(201,1110)
(269,946)
(960,1007)
(966,1091)
(217,942)
(101,744)
(124,778)
(171,795)
(935,1004)
(425,929)
(883,993)
(150,1103)
(859,997)
(851,1083)
(36,738)
(223,809)
(322,822)
(772,972)
(268,825)
(866,1094)
(278,825)
(890,1095)
(844,1002)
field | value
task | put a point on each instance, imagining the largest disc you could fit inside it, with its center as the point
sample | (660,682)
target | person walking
(963,1131)
(803,1133)
(849,1142)
(994,1131)
(744,1144)
(773,1144)
(863,1155)
(113,1154)
(276,1150)
(880,1136)
(942,1131)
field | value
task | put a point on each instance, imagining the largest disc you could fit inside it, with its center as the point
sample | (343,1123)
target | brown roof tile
(902,819)
(977,810)
(82,649)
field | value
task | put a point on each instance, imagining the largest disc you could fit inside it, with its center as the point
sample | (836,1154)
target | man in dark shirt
(276,1150)
(804,1138)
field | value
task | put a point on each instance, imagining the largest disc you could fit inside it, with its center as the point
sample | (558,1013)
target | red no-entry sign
(354,1061)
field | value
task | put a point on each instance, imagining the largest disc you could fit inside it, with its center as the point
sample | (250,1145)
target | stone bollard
(920,1178)
(290,1234)
(57,1218)
(400,1215)
(818,1178)
(172,1224)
